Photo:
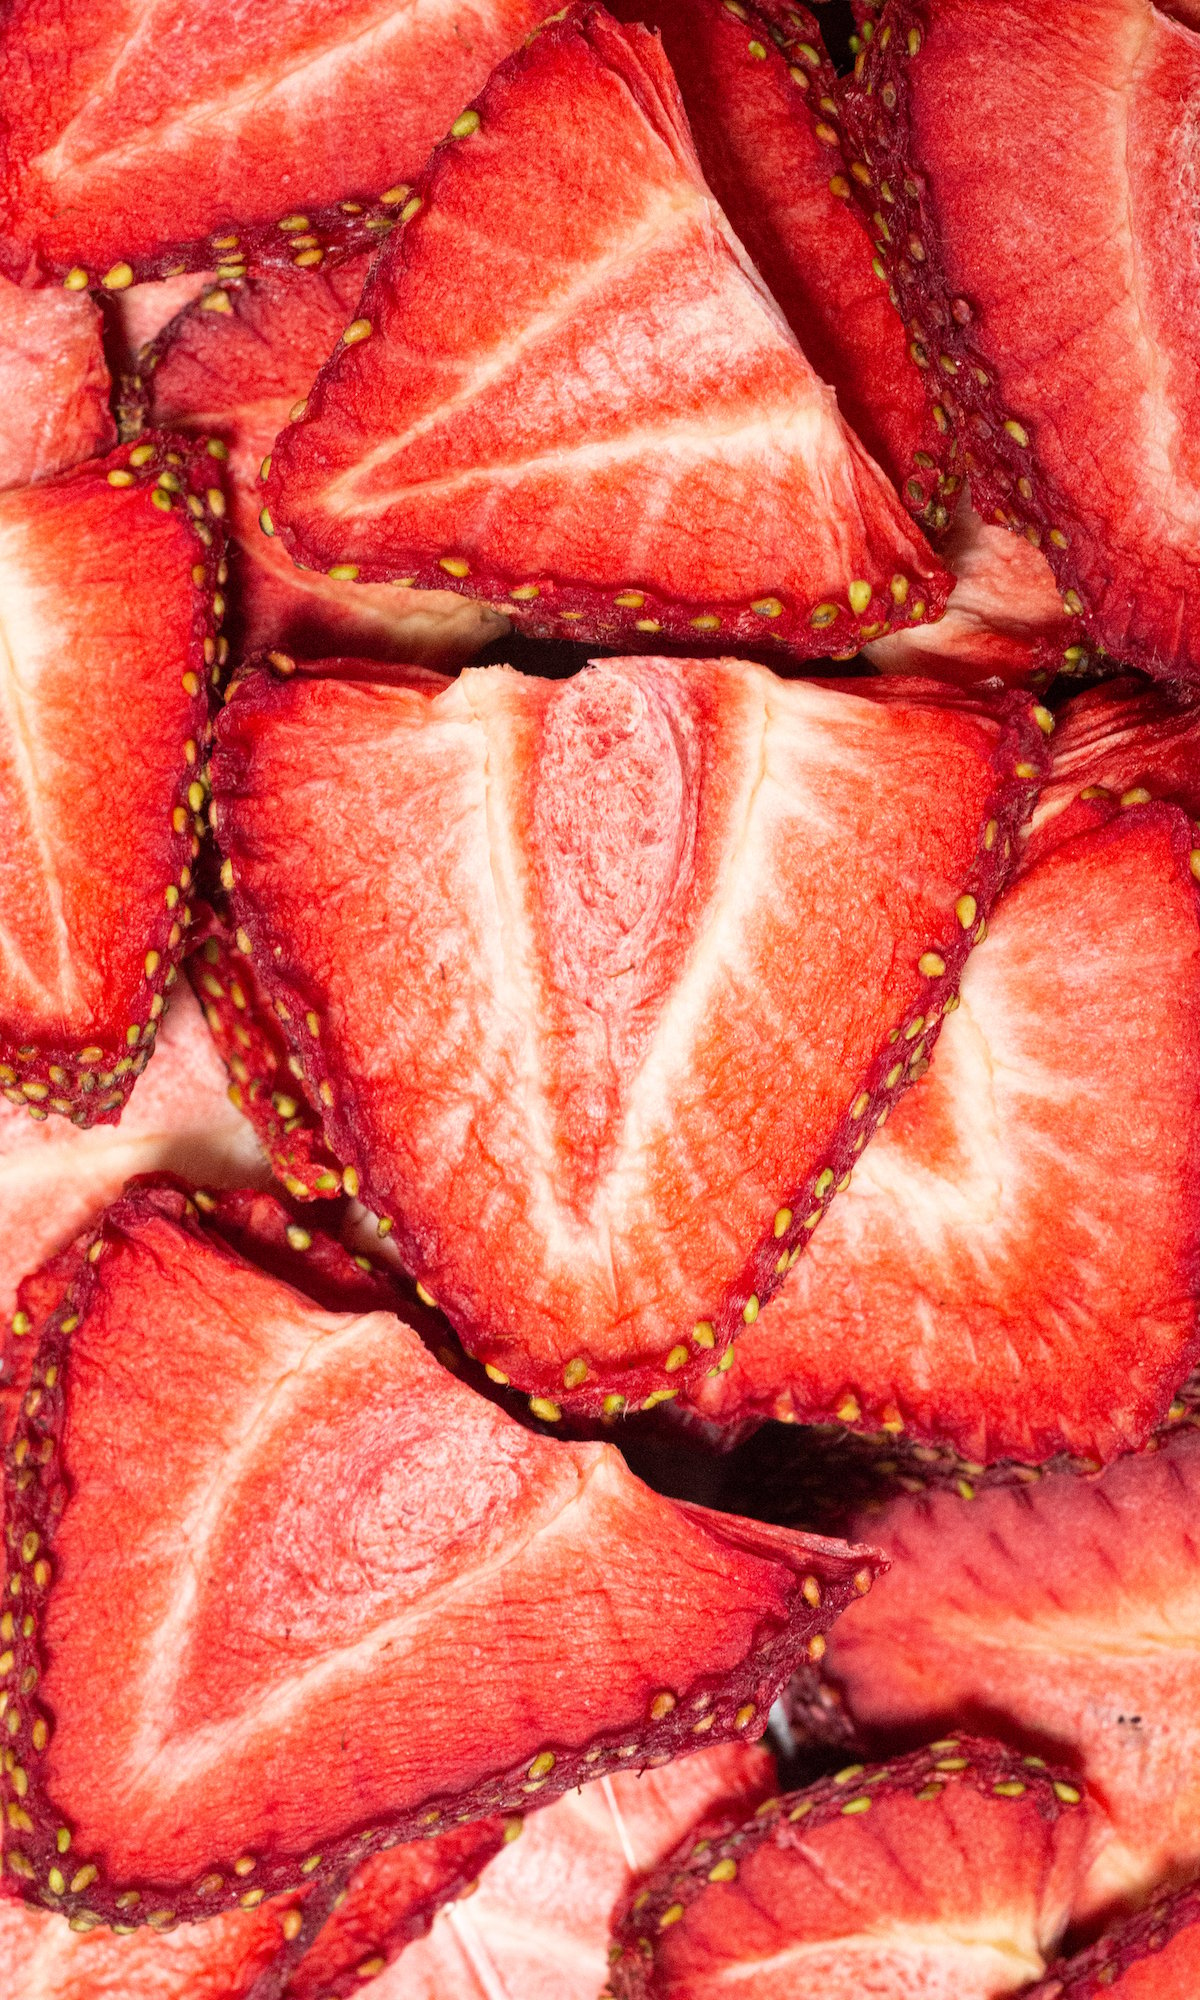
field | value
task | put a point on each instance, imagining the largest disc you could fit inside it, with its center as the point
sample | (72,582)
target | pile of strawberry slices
(600,1000)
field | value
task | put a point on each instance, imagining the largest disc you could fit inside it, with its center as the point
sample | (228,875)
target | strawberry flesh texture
(207,131)
(1069,297)
(542,446)
(980,1282)
(107,600)
(1153,1956)
(1116,745)
(1004,617)
(233,365)
(54,384)
(764,118)
(667,1085)
(1064,1613)
(948,1875)
(315,1596)
(233,1957)
(538,1924)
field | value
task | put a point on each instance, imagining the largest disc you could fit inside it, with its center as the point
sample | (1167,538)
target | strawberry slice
(1004,618)
(233,365)
(1052,305)
(574,1054)
(1120,744)
(1064,1610)
(197,135)
(538,1924)
(625,437)
(1153,1956)
(761,97)
(330,1640)
(107,583)
(980,1282)
(950,1872)
(54,384)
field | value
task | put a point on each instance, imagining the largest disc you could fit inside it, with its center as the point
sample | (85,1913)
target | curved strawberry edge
(1096,1971)
(664,1897)
(869,1413)
(89,1082)
(250,1041)
(294,242)
(998,453)
(934,487)
(1019,760)
(548,606)
(710,1710)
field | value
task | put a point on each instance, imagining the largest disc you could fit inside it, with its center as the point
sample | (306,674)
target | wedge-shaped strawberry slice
(951,1872)
(537,947)
(1065,1612)
(624,436)
(233,365)
(761,97)
(196,134)
(981,1282)
(108,600)
(1053,309)
(54,386)
(1153,1956)
(1004,617)
(1120,744)
(329,1639)
(538,1923)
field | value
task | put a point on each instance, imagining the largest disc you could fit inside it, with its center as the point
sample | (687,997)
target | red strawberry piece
(138,315)
(574,1054)
(238,1956)
(103,724)
(950,1872)
(761,97)
(538,1924)
(330,1638)
(235,365)
(1053,304)
(1061,1610)
(1153,1956)
(623,437)
(1004,618)
(54,385)
(1118,745)
(202,135)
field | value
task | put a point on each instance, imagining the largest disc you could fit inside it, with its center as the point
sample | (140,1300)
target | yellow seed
(454,565)
(1016,431)
(463,126)
(350,1181)
(575,1372)
(706,622)
(704,1333)
(745,1716)
(244,1865)
(291,1924)
(358,329)
(860,596)
(661,1705)
(646,625)
(542,1764)
(825,614)
(344,572)
(525,592)
(811,1591)
(410,208)
(1136,796)
(614,1406)
(853,1807)
(816,1646)
(677,1358)
(783,1221)
(495,1374)
(951,1764)
(118,279)
(723,1871)
(750,1309)
(630,600)
(1012,1788)
(426,1297)
(252,1898)
(120,477)
(670,1916)
(658,1396)
(1072,602)
(76,279)
(82,1877)
(932,964)
(371,1967)
(1069,1794)
(542,1407)
(848,1411)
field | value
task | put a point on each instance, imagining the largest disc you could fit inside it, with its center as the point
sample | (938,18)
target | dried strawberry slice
(538,1924)
(1118,745)
(1153,1956)
(624,437)
(557,1021)
(242,1955)
(203,134)
(107,576)
(54,386)
(761,97)
(330,1639)
(1063,1611)
(233,365)
(951,1871)
(980,1282)
(1056,319)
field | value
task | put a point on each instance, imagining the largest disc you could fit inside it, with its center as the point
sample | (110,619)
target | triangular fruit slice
(1050,302)
(54,386)
(950,1872)
(194,134)
(108,603)
(1120,744)
(623,436)
(234,365)
(980,1282)
(1066,1610)
(761,97)
(600,985)
(1004,617)
(538,1924)
(330,1639)
(1153,1956)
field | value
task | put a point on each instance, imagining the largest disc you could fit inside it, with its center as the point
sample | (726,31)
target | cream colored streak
(474,1949)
